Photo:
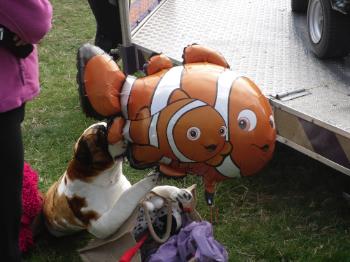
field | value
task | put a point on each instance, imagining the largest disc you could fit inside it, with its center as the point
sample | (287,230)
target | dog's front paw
(154,176)
(146,184)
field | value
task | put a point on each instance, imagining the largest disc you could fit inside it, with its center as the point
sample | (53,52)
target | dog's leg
(110,221)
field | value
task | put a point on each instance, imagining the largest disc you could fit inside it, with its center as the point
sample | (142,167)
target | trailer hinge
(289,95)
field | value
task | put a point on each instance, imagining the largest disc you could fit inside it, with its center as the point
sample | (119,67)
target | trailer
(265,41)
(328,23)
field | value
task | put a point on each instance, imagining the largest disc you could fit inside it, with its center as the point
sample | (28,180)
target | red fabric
(31,207)
(128,255)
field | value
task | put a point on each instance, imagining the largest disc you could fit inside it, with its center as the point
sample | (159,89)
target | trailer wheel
(299,6)
(329,30)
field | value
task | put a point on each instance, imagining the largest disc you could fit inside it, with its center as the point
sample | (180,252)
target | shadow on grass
(292,179)
(292,210)
(50,248)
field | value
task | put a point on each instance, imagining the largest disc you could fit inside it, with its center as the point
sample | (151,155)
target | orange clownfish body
(163,109)
(178,133)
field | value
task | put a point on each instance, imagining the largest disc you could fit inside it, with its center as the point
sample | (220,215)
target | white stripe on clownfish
(228,168)
(224,85)
(170,81)
(152,132)
(171,124)
(125,94)
(126,131)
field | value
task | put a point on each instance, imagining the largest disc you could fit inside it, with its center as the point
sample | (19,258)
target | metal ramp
(263,40)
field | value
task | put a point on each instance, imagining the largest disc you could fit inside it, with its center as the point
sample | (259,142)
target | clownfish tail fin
(177,95)
(196,53)
(157,63)
(99,82)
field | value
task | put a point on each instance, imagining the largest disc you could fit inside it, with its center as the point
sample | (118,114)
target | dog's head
(93,154)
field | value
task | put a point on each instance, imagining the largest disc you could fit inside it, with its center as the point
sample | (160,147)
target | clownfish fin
(177,95)
(157,63)
(100,81)
(197,53)
(169,171)
(143,113)
(115,130)
(143,156)
(216,160)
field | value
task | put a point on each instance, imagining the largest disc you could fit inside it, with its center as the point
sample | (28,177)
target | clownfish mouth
(263,148)
(211,148)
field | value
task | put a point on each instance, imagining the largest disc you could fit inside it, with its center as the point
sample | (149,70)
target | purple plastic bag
(194,240)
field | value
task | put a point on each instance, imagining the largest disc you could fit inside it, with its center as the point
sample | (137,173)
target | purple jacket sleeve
(29,19)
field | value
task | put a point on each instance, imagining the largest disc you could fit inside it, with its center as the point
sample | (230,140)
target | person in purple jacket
(23,23)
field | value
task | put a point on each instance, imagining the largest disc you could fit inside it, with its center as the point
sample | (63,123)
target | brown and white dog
(93,194)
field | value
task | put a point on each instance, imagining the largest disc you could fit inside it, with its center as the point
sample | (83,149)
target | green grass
(292,211)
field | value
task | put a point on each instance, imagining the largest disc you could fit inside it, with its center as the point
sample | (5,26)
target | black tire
(299,6)
(335,37)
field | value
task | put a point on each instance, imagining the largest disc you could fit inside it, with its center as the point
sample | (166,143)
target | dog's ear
(82,153)
(193,190)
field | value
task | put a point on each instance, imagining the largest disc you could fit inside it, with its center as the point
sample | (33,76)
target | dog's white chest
(100,195)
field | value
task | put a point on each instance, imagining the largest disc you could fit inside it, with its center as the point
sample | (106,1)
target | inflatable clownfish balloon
(198,118)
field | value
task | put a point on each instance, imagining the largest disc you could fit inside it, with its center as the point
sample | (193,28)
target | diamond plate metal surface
(261,39)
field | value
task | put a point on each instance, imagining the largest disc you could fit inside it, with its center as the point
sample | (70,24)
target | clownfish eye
(243,124)
(247,120)
(223,131)
(193,133)
(272,122)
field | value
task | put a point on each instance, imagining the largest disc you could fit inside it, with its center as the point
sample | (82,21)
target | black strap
(7,41)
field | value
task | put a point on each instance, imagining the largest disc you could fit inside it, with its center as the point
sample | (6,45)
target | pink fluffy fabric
(31,207)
